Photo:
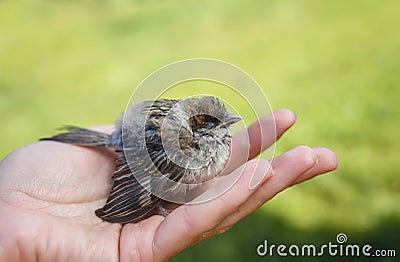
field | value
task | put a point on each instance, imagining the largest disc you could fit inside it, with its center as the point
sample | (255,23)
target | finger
(190,224)
(287,167)
(136,240)
(326,161)
(258,136)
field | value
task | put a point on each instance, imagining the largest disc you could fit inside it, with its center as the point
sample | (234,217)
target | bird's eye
(208,125)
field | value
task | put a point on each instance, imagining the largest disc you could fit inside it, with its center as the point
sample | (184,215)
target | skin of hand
(49,191)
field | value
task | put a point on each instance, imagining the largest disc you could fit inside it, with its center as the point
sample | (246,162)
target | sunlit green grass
(336,64)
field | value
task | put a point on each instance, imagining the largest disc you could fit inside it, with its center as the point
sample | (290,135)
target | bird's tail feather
(82,136)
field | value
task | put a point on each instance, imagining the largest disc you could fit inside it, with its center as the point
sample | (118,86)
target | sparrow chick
(164,147)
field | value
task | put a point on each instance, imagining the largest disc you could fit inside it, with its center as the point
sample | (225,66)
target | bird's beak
(231,119)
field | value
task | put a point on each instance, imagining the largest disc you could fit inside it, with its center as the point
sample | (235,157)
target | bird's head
(201,132)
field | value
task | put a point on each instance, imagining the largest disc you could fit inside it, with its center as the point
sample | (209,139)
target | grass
(334,63)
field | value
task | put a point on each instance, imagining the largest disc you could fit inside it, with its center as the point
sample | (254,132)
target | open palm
(49,192)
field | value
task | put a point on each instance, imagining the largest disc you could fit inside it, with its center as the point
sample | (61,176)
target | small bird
(164,147)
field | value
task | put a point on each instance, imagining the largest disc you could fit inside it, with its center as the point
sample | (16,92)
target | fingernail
(259,177)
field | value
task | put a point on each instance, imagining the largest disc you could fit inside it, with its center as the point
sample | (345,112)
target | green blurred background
(335,63)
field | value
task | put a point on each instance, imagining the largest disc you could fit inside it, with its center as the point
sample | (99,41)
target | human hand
(49,191)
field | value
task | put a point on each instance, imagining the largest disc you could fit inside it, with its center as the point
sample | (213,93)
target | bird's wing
(139,177)
(129,200)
